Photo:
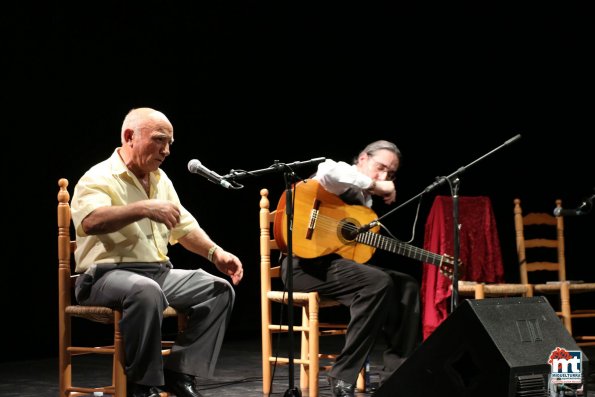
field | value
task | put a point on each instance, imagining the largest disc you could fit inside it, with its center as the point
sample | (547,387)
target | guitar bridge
(312,220)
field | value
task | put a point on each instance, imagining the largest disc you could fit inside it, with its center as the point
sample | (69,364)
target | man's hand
(229,264)
(386,190)
(163,211)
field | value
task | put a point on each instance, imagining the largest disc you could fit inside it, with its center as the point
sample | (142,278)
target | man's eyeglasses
(380,167)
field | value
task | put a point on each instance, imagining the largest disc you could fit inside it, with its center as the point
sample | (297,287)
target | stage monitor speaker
(490,347)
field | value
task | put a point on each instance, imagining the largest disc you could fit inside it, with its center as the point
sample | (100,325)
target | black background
(251,82)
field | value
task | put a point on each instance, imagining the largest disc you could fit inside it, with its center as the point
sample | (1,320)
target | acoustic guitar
(324,224)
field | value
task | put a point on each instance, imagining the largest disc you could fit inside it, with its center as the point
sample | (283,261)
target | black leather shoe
(340,388)
(182,385)
(136,390)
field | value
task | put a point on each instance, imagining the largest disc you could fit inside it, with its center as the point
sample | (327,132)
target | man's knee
(147,293)
(225,291)
(385,285)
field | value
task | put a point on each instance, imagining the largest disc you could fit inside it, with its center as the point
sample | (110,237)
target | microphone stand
(454,183)
(289,178)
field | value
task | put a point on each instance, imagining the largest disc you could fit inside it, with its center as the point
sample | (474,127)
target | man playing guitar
(380,300)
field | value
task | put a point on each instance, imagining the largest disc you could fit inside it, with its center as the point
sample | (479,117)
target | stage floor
(238,373)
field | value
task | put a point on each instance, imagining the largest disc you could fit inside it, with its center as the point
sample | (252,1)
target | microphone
(364,228)
(196,167)
(582,209)
(559,211)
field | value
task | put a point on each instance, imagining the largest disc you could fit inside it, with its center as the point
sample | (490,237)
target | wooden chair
(98,314)
(541,252)
(529,243)
(480,290)
(310,303)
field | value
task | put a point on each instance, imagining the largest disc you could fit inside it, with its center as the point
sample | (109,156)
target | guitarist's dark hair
(379,145)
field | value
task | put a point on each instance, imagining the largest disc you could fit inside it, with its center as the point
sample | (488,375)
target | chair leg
(267,350)
(314,346)
(305,368)
(479,291)
(361,380)
(565,303)
(119,375)
(65,358)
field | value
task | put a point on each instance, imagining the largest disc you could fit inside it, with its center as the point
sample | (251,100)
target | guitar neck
(398,247)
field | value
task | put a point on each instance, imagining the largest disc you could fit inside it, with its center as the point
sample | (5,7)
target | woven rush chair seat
(102,314)
(483,290)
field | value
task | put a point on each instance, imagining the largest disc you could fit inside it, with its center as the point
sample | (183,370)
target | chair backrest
(66,275)
(66,247)
(268,270)
(540,243)
(268,273)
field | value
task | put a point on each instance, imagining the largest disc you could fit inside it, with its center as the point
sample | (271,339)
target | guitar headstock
(447,266)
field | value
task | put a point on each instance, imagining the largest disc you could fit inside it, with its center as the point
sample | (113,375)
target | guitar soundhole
(347,230)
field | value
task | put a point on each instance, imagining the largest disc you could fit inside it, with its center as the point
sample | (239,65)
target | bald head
(140,118)
(146,136)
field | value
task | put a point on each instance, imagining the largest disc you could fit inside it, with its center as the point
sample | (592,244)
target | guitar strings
(329,224)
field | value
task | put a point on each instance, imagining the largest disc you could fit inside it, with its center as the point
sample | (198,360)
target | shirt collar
(119,168)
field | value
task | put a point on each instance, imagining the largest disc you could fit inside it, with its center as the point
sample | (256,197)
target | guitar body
(323,224)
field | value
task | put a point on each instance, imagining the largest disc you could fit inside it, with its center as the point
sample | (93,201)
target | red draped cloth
(479,252)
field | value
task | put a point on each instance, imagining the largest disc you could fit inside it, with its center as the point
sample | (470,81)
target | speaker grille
(531,386)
